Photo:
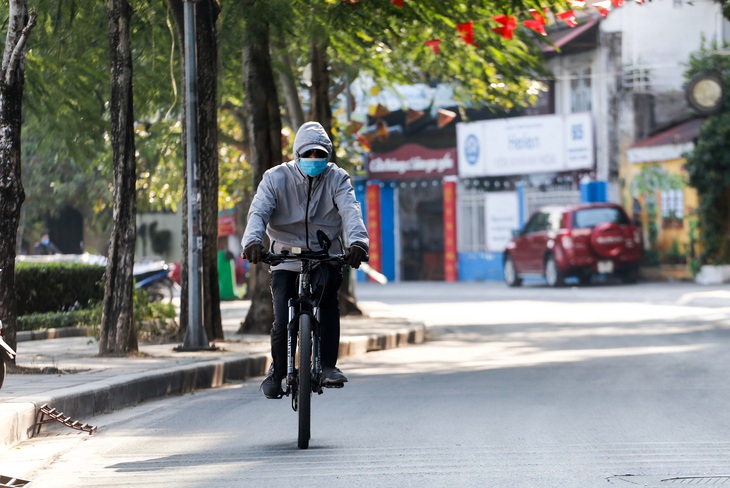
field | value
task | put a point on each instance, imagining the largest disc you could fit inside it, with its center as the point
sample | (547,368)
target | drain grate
(9,482)
(698,480)
(656,481)
(56,416)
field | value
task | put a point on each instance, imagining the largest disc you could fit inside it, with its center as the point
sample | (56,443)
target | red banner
(227,222)
(412,162)
(372,206)
(450,254)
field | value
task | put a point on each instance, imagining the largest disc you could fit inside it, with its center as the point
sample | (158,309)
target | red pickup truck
(576,240)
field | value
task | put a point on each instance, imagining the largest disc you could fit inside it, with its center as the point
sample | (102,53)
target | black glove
(254,252)
(357,254)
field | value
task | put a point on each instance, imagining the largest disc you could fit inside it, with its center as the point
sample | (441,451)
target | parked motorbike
(5,350)
(154,277)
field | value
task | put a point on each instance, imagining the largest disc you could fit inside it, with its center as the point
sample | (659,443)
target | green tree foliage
(63,127)
(708,164)
(652,180)
(388,43)
(66,145)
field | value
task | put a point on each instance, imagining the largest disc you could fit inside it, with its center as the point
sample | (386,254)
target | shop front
(410,203)
(507,169)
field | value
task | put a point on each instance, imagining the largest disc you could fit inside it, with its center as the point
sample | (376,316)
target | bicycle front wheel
(304,389)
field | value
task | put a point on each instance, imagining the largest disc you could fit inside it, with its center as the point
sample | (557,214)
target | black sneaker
(333,376)
(271,386)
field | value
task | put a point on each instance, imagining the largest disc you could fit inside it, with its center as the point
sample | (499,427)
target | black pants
(326,281)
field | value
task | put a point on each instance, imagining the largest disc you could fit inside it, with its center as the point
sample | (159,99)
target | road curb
(17,417)
(38,335)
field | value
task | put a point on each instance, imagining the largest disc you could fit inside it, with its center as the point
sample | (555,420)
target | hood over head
(312,135)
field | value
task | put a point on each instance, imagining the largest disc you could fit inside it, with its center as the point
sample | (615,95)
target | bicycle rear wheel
(304,390)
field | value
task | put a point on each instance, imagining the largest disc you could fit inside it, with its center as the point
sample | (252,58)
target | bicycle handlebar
(274,259)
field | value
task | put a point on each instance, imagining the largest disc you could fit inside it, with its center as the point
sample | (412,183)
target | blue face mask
(312,166)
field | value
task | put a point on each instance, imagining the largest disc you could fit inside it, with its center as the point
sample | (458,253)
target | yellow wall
(666,235)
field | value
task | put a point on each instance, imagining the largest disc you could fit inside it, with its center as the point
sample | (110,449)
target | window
(591,217)
(672,208)
(555,221)
(538,223)
(580,91)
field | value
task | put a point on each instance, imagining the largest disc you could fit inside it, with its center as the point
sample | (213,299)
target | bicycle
(303,333)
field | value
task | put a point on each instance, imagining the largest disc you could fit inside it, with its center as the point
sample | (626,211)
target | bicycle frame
(303,331)
(306,305)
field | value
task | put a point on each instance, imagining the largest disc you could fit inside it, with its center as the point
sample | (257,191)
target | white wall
(660,35)
(657,36)
(165,221)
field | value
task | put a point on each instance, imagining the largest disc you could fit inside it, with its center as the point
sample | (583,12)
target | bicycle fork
(292,382)
(291,375)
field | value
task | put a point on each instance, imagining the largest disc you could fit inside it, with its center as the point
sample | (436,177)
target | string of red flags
(603,7)
(568,17)
(434,44)
(506,24)
(466,31)
(537,23)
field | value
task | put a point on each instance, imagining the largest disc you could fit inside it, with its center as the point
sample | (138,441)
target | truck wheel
(553,275)
(510,273)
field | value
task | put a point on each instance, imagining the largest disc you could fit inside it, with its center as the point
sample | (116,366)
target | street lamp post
(195,336)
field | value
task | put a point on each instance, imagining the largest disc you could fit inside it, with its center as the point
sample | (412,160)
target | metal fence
(535,199)
(471,222)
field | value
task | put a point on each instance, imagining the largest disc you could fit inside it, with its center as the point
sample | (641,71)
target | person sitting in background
(45,246)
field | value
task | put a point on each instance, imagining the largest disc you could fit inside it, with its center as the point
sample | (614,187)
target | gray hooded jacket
(290,207)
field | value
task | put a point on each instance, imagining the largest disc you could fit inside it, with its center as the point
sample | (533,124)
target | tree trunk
(321,111)
(263,124)
(289,87)
(118,334)
(206,13)
(12,194)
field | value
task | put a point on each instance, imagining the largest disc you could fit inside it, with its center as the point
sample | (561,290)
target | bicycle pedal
(333,385)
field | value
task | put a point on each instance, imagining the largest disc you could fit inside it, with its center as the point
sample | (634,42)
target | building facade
(615,81)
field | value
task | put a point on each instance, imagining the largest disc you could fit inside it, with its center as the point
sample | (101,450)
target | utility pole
(195,336)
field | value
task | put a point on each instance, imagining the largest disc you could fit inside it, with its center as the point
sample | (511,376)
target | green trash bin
(226,277)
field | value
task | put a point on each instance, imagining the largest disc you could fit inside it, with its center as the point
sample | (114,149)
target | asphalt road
(532,387)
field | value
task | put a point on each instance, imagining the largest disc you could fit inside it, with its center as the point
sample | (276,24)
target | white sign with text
(502,217)
(525,145)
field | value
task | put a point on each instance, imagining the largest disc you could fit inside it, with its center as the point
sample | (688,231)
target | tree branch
(231,141)
(20,46)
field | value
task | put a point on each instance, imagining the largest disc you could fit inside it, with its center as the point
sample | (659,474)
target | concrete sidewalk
(88,385)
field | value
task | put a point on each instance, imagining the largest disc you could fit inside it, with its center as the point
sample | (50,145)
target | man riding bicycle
(293,201)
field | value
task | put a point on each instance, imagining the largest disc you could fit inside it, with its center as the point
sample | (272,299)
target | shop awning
(580,38)
(667,144)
